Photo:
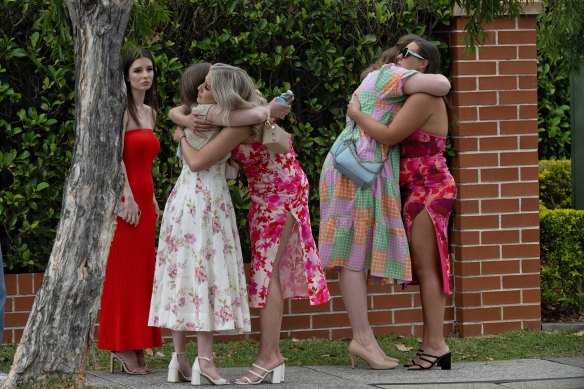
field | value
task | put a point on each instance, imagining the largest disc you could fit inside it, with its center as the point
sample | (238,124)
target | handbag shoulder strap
(354,124)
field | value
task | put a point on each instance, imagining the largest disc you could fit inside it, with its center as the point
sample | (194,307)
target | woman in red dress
(125,301)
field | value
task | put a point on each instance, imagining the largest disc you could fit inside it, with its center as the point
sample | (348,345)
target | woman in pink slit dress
(429,191)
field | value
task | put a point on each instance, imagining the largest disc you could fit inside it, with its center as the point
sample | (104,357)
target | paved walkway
(560,373)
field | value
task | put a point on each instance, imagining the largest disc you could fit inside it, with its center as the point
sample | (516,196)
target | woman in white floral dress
(199,282)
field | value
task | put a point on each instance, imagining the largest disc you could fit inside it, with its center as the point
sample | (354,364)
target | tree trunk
(60,328)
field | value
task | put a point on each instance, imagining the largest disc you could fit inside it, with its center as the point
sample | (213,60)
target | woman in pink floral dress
(285,262)
(430,192)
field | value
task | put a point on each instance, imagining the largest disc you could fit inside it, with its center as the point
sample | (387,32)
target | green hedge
(562,258)
(316,55)
(555,184)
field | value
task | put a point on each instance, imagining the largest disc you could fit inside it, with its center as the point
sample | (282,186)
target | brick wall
(495,236)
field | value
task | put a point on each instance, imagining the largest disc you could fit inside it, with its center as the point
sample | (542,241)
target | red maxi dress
(127,289)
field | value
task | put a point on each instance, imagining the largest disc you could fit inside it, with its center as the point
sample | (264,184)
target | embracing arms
(433,84)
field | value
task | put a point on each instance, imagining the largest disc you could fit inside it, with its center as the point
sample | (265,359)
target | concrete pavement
(558,373)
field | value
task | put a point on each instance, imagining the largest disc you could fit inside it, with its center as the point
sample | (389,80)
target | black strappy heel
(413,362)
(443,361)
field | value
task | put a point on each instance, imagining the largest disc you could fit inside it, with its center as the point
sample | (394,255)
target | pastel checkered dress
(362,228)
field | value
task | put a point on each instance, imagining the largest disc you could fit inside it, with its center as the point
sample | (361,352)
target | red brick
(477,128)
(521,251)
(518,67)
(394,330)
(469,330)
(296,322)
(476,160)
(502,23)
(307,334)
(528,111)
(516,37)
(527,22)
(519,158)
(529,204)
(330,320)
(23,303)
(468,299)
(533,325)
(341,333)
(465,175)
(407,315)
(474,68)
(467,268)
(518,127)
(518,97)
(37,281)
(15,319)
(527,82)
(25,285)
(499,174)
(527,51)
(530,266)
(498,143)
(460,53)
(499,236)
(502,297)
(529,173)
(466,206)
(521,281)
(464,222)
(458,38)
(519,189)
(17,335)
(392,301)
(500,266)
(478,190)
(497,52)
(9,304)
(520,220)
(474,98)
(499,112)
(497,82)
(379,317)
(464,83)
(465,237)
(529,236)
(466,144)
(337,304)
(501,327)
(11,281)
(465,113)
(521,312)
(469,284)
(530,296)
(481,314)
(528,142)
(302,306)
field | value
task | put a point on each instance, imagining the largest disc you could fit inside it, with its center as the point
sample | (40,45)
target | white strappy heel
(197,373)
(174,372)
(277,375)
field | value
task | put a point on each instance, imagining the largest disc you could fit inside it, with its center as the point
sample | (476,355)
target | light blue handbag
(347,161)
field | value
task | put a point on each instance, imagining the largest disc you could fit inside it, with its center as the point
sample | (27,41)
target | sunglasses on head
(405,52)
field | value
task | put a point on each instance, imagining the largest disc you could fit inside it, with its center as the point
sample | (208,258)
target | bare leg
(205,349)
(269,355)
(179,341)
(354,291)
(426,262)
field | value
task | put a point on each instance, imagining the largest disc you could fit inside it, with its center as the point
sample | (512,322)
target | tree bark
(60,328)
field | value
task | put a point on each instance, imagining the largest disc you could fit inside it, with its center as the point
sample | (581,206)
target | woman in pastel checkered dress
(361,230)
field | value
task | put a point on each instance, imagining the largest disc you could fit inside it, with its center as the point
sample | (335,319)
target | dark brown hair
(390,55)
(192,77)
(151,97)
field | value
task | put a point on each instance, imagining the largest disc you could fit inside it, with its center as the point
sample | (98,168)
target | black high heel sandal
(443,361)
(413,362)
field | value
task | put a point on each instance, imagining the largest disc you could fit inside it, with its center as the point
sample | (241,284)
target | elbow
(194,167)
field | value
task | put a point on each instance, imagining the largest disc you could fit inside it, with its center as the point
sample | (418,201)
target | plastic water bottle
(285,98)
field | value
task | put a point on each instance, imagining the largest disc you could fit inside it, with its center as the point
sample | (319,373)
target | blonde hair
(234,89)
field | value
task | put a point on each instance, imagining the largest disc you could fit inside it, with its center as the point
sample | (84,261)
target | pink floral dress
(426,183)
(278,187)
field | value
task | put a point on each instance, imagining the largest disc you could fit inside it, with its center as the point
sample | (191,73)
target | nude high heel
(197,373)
(124,365)
(174,372)
(357,350)
(278,374)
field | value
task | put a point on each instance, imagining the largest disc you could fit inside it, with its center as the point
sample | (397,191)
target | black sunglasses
(405,52)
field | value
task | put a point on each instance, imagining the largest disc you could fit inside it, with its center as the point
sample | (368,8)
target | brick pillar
(495,236)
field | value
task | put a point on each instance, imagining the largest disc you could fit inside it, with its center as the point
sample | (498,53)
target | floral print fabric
(278,187)
(427,184)
(199,282)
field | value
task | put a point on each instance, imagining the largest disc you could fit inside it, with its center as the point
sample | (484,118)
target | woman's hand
(353,108)
(198,123)
(278,110)
(179,132)
(130,212)
(156,208)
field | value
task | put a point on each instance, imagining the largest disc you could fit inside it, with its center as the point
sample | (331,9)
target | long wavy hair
(234,89)
(191,78)
(390,55)
(151,96)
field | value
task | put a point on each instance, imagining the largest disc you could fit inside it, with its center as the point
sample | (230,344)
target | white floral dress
(199,281)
